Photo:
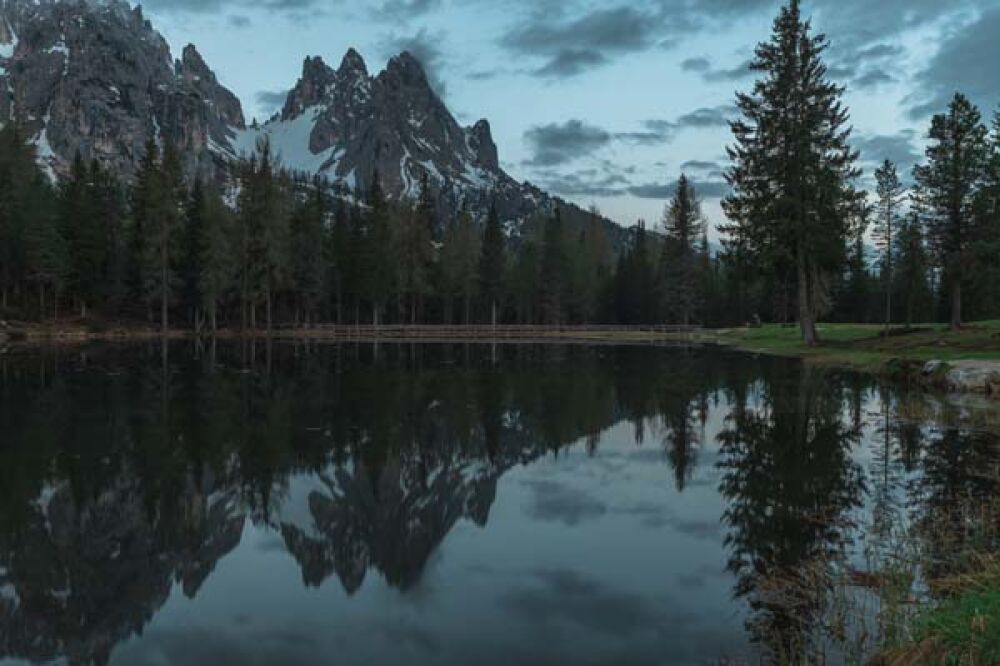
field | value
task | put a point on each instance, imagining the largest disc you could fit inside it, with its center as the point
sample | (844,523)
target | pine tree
(191,255)
(855,297)
(263,212)
(911,273)
(217,256)
(492,263)
(459,264)
(553,271)
(415,250)
(600,267)
(110,205)
(143,200)
(635,288)
(679,265)
(32,249)
(165,216)
(985,280)
(890,199)
(375,258)
(792,166)
(947,187)
(343,252)
(82,225)
(308,230)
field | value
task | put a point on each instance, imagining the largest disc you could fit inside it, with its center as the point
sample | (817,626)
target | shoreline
(928,355)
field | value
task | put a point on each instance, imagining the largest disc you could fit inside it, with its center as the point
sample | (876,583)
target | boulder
(993,386)
(974,377)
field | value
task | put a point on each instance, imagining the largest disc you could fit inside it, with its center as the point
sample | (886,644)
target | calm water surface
(447,504)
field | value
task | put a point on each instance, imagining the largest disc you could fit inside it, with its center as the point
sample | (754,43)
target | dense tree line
(803,239)
(800,224)
(275,248)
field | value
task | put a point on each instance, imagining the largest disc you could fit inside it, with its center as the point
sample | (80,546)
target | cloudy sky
(606,102)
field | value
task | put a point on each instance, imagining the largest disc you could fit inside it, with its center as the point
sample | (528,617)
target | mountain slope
(94,77)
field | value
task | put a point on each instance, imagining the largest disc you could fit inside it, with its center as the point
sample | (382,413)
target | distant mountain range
(95,77)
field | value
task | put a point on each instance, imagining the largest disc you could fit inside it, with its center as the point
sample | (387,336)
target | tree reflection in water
(125,472)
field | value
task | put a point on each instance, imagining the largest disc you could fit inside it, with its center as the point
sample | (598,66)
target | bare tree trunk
(806,322)
(268,309)
(956,304)
(164,320)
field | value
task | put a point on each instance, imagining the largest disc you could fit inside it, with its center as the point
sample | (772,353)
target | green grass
(962,628)
(864,346)
(965,629)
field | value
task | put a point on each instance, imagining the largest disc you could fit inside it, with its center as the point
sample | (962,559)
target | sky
(607,102)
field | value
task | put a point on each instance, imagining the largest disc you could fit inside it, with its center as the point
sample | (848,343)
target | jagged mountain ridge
(95,77)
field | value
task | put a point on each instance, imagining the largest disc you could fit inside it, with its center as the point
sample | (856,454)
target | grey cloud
(572,46)
(555,502)
(696,65)
(965,62)
(584,183)
(570,62)
(269,100)
(710,189)
(404,10)
(483,74)
(292,7)
(859,24)
(425,47)
(653,132)
(716,116)
(556,143)
(703,66)
(662,131)
(901,148)
(872,79)
(566,596)
(239,21)
(699,165)
(875,52)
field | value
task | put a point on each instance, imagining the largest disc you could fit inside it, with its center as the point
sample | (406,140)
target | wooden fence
(510,332)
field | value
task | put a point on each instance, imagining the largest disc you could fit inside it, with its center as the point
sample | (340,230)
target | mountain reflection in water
(302,503)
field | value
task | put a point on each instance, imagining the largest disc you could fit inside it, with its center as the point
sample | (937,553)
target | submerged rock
(969,376)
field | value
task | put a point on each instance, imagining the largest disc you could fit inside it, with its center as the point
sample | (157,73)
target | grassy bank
(850,345)
(865,346)
(958,625)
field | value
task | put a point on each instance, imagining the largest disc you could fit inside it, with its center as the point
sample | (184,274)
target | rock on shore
(970,376)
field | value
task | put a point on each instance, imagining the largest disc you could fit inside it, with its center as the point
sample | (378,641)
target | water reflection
(128,475)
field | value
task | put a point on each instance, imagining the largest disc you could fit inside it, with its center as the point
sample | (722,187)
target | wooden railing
(367,331)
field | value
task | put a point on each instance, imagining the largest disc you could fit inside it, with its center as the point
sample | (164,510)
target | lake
(451,504)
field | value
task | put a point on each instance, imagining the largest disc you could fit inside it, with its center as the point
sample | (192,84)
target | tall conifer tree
(886,232)
(947,187)
(792,168)
(492,263)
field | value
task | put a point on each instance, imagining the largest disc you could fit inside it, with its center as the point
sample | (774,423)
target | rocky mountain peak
(193,65)
(353,65)
(196,74)
(7,35)
(93,77)
(481,143)
(312,88)
(408,69)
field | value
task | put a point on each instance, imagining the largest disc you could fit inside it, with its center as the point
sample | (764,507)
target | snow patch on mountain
(289,141)
(8,40)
